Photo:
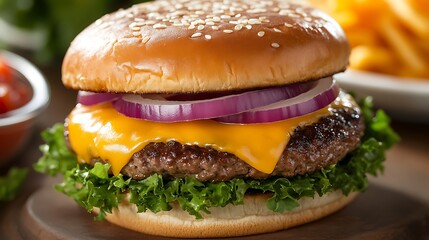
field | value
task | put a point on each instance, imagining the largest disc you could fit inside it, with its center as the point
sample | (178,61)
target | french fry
(423,44)
(386,36)
(360,37)
(413,19)
(403,46)
(372,58)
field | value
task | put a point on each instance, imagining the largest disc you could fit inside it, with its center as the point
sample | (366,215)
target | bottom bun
(252,217)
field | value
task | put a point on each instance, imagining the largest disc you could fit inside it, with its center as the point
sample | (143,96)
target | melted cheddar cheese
(100,131)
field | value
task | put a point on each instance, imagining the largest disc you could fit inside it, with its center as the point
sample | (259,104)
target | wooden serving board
(379,213)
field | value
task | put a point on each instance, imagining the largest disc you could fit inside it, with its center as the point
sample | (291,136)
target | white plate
(403,98)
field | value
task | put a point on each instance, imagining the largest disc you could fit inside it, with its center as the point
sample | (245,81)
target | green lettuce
(95,187)
(56,158)
(12,182)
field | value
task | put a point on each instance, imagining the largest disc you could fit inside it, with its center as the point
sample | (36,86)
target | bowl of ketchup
(24,94)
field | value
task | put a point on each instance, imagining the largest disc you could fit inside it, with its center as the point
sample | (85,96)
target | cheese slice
(100,131)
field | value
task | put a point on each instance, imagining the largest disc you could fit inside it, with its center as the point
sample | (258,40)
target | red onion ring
(91,98)
(159,110)
(324,93)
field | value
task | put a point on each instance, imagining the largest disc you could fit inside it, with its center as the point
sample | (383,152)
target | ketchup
(13,92)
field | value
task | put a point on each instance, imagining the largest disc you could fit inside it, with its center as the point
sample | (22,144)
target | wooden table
(406,172)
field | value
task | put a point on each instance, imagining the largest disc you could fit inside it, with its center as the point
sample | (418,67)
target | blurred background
(45,28)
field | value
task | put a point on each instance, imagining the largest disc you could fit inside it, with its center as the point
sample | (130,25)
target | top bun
(173,46)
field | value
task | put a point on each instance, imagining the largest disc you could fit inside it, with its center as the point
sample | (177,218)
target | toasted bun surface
(251,218)
(205,45)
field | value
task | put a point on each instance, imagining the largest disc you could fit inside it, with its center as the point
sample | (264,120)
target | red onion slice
(318,97)
(91,98)
(161,110)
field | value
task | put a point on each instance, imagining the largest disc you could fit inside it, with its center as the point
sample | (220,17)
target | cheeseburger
(212,119)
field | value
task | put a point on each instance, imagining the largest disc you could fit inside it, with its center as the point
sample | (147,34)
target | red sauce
(13,92)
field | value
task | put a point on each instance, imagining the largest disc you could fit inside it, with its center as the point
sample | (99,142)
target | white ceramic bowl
(403,98)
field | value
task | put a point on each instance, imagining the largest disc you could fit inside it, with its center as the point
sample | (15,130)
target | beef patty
(309,149)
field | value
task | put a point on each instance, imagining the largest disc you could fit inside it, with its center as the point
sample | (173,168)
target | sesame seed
(243,21)
(200,21)
(179,12)
(159,26)
(275,45)
(300,10)
(238,27)
(254,21)
(197,34)
(105,25)
(215,16)
(293,15)
(257,10)
(145,39)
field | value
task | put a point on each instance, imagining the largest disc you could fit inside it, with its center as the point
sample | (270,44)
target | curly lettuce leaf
(377,124)
(95,187)
(56,158)
(12,182)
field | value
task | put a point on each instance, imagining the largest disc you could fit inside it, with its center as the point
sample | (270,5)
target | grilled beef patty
(310,148)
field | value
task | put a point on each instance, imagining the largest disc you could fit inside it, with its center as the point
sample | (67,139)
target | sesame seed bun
(198,46)
(253,217)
